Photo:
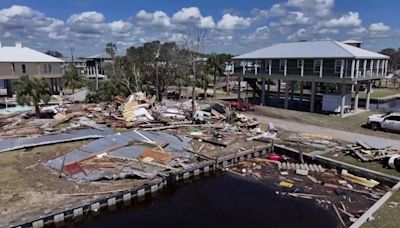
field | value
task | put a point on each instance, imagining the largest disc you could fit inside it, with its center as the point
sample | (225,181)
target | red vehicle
(241,105)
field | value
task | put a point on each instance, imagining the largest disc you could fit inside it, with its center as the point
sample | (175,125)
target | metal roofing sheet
(119,144)
(25,54)
(74,135)
(313,49)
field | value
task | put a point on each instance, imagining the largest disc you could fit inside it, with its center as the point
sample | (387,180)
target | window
(299,63)
(47,68)
(317,65)
(23,69)
(393,118)
(338,64)
(282,65)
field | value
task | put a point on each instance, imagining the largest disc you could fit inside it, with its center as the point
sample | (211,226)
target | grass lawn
(376,166)
(377,93)
(353,123)
(388,215)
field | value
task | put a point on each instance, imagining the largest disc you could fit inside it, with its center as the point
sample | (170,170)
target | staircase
(255,84)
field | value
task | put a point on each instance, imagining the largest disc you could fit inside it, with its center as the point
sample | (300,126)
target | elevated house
(308,63)
(17,60)
(96,65)
(79,63)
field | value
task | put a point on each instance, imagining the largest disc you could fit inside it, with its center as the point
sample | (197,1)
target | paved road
(306,128)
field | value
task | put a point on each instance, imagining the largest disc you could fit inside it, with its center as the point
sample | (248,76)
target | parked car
(390,121)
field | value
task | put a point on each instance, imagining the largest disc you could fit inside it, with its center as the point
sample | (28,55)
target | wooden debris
(359,180)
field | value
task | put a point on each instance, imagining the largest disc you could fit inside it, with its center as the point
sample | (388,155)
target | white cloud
(87,23)
(295,18)
(231,22)
(206,23)
(276,10)
(158,18)
(192,15)
(357,31)
(351,19)
(379,30)
(321,8)
(120,26)
(379,27)
(327,31)
(301,33)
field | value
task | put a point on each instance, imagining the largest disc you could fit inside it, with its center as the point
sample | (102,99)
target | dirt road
(307,128)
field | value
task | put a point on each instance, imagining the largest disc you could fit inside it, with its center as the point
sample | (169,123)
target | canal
(217,201)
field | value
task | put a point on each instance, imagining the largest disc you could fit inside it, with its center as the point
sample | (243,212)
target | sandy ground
(27,188)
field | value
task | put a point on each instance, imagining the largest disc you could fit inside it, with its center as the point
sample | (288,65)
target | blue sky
(233,26)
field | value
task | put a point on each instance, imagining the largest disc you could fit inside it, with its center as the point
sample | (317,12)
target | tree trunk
(180,89)
(214,86)
(205,92)
(37,109)
(227,84)
(193,88)
(73,89)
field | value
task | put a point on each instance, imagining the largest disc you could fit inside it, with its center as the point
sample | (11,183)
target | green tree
(394,61)
(111,49)
(31,90)
(72,78)
(215,65)
(54,53)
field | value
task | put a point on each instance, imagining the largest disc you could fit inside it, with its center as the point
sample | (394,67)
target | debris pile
(316,141)
(368,150)
(346,194)
(157,138)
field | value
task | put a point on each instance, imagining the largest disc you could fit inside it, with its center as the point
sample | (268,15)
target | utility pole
(157,56)
(72,55)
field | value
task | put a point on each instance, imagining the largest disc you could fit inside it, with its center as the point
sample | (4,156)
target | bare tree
(193,40)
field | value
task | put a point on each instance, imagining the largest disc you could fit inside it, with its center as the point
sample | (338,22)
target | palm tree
(72,79)
(32,90)
(215,66)
(111,49)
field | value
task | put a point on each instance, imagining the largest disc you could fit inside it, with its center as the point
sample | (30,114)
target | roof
(312,49)
(102,55)
(69,60)
(25,54)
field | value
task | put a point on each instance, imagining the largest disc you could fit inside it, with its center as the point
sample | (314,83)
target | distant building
(318,62)
(79,63)
(96,64)
(17,60)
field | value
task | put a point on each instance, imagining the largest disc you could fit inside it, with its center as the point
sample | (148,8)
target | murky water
(218,201)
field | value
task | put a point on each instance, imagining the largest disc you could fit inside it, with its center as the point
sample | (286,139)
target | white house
(17,60)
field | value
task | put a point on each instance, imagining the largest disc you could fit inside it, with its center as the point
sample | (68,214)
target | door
(391,123)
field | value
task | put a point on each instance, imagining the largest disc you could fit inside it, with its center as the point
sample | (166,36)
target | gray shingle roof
(312,49)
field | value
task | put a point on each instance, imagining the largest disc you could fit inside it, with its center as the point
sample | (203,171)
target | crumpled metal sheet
(74,135)
(126,145)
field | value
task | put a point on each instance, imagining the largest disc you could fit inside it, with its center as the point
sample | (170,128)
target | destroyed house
(336,65)
(17,60)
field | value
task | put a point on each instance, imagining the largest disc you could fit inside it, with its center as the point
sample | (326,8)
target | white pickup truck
(390,122)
